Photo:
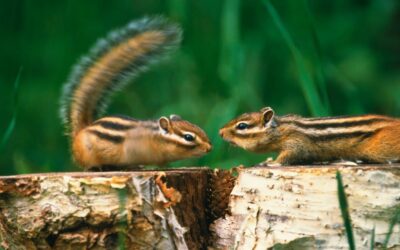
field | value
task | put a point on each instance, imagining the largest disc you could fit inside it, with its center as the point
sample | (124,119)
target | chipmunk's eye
(242,126)
(188,137)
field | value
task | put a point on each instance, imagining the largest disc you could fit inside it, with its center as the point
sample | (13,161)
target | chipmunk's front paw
(269,162)
(274,164)
(344,163)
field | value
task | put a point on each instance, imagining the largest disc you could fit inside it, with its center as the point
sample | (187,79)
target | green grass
(344,209)
(319,64)
(395,220)
(123,223)
(310,91)
(11,126)
(300,57)
(372,241)
(233,59)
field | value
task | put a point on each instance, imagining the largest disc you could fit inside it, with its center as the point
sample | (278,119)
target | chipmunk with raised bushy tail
(299,140)
(118,140)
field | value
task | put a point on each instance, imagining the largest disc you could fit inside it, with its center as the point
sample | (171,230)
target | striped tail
(109,66)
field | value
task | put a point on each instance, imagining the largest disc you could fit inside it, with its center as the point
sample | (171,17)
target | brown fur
(119,141)
(99,76)
(385,145)
(144,144)
(369,138)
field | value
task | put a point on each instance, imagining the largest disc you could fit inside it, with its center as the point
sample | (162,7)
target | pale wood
(297,208)
(103,210)
(281,207)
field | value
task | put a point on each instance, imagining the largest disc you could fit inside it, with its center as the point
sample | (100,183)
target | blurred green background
(305,57)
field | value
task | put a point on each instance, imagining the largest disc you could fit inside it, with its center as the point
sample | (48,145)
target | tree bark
(134,210)
(195,208)
(298,208)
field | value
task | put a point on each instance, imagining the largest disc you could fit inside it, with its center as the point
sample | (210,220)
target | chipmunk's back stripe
(113,125)
(152,125)
(123,117)
(117,123)
(362,135)
(339,118)
(108,137)
(337,124)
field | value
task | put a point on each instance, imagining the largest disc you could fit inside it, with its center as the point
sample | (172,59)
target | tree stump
(110,210)
(196,208)
(298,208)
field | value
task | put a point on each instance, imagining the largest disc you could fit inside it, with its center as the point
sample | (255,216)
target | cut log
(195,208)
(298,208)
(134,210)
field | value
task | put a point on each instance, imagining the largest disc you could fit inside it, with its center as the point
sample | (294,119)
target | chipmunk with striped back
(299,140)
(119,141)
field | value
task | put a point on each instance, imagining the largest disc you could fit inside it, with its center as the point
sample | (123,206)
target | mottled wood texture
(298,208)
(104,210)
(281,207)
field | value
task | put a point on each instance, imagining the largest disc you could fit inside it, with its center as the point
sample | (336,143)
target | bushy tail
(110,64)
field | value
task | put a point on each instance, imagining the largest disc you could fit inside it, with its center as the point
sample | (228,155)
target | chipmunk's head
(251,131)
(183,139)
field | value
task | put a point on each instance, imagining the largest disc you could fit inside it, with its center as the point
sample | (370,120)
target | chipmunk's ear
(268,117)
(164,124)
(174,117)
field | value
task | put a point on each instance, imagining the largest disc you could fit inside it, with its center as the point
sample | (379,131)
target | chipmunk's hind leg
(384,147)
(288,157)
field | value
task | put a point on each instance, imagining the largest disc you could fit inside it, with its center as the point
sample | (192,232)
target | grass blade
(372,243)
(177,9)
(123,223)
(13,120)
(320,57)
(395,219)
(307,84)
(344,208)
(229,64)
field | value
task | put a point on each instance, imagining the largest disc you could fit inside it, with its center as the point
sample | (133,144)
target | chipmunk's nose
(221,132)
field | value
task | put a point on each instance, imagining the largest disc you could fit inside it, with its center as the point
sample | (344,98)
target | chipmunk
(122,141)
(299,140)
